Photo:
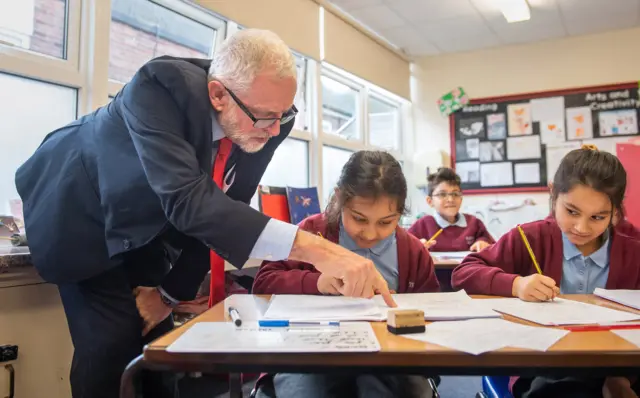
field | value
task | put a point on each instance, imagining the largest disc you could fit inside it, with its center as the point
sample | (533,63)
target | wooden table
(579,353)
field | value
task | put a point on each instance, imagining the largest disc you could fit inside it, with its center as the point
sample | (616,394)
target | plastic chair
(495,387)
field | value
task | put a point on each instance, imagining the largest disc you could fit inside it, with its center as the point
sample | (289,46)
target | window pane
(288,167)
(302,119)
(384,125)
(36,25)
(142,30)
(339,109)
(20,132)
(333,159)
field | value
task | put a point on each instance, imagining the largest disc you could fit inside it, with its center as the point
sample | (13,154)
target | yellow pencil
(526,243)
(434,236)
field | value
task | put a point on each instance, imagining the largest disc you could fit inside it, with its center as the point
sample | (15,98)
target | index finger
(549,282)
(382,286)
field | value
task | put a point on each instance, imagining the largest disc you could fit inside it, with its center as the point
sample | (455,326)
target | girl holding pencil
(448,230)
(574,252)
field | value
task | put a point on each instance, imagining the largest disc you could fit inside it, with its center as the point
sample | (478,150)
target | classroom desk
(578,353)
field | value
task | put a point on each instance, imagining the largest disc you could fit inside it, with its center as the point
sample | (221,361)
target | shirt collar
(216,129)
(379,249)
(600,257)
(461,221)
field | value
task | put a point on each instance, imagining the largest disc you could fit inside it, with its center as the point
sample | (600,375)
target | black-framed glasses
(444,195)
(264,122)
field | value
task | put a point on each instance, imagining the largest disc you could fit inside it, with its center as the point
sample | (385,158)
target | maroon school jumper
(452,238)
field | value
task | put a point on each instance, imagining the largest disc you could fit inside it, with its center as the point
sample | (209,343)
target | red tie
(217,286)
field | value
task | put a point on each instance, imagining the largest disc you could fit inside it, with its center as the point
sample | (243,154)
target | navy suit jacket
(114,180)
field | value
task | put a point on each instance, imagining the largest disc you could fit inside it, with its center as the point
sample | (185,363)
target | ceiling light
(515,10)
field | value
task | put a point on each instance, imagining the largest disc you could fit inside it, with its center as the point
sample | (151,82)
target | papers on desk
(440,306)
(223,337)
(630,298)
(558,312)
(632,336)
(478,336)
(436,307)
(450,255)
(295,307)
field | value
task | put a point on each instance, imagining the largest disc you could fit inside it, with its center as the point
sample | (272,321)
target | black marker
(235,316)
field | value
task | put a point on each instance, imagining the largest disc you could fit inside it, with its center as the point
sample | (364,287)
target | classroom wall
(612,57)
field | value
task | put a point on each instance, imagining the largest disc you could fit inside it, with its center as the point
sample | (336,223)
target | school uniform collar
(600,257)
(461,221)
(379,249)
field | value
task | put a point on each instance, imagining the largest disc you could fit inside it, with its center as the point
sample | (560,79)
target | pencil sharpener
(405,321)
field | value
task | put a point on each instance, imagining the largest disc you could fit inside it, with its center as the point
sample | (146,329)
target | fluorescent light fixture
(515,10)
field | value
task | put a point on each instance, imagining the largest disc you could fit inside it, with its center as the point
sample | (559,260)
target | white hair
(248,53)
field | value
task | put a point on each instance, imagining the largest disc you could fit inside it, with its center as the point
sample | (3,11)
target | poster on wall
(527,147)
(519,119)
(579,123)
(527,173)
(471,128)
(620,122)
(492,151)
(547,109)
(469,172)
(552,132)
(496,126)
(496,174)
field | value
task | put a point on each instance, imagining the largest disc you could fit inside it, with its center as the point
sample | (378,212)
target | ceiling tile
(410,40)
(431,10)
(349,5)
(597,9)
(469,43)
(378,17)
(472,25)
(529,33)
(589,25)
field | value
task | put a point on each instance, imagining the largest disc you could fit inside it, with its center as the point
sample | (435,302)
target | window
(301,99)
(384,124)
(35,25)
(339,109)
(333,159)
(142,30)
(289,165)
(20,132)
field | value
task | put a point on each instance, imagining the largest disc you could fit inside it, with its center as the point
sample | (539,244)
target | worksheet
(630,298)
(296,307)
(477,336)
(559,312)
(209,337)
(631,335)
(450,255)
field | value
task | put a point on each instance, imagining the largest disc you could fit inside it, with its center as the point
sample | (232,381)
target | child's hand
(329,285)
(479,245)
(535,287)
(428,244)
(618,387)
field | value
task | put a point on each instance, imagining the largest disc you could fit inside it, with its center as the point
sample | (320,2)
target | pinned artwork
(622,122)
(452,101)
(519,119)
(579,123)
(496,126)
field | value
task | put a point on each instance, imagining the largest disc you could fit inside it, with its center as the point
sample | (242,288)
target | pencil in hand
(534,287)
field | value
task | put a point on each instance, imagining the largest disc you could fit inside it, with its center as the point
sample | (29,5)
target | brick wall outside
(129,47)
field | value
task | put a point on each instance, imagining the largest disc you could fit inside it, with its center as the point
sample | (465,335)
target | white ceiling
(430,27)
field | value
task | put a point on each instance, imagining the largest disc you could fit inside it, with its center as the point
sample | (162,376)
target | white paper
(631,335)
(250,307)
(579,123)
(630,298)
(226,337)
(469,172)
(450,255)
(555,155)
(527,173)
(559,312)
(620,122)
(547,109)
(496,174)
(478,336)
(552,132)
(473,148)
(496,126)
(298,307)
(492,151)
(440,306)
(519,118)
(524,147)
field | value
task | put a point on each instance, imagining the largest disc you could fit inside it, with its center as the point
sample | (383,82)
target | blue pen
(283,323)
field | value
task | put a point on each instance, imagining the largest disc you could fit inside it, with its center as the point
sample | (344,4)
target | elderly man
(127,207)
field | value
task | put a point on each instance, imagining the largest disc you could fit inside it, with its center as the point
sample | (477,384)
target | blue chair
(495,387)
